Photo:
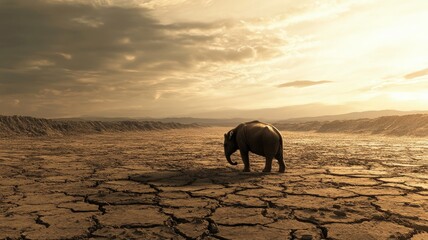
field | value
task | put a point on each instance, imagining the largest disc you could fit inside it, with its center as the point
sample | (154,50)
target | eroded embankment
(408,125)
(30,126)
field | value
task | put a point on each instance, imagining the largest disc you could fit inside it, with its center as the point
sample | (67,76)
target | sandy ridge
(407,125)
(30,126)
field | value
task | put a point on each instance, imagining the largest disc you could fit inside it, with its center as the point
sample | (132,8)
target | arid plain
(176,184)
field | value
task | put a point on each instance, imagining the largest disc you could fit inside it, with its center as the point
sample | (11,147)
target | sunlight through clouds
(175,57)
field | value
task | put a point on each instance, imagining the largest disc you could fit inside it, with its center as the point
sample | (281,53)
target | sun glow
(409,96)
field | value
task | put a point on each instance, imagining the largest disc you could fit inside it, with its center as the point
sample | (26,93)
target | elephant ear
(230,133)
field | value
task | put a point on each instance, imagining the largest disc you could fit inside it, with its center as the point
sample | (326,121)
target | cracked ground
(176,184)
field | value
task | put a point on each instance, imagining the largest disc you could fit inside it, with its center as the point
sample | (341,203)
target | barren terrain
(176,184)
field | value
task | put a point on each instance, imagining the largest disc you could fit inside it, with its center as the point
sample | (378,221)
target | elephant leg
(268,166)
(281,165)
(246,160)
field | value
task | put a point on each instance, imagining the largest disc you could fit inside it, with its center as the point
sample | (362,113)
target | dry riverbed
(176,184)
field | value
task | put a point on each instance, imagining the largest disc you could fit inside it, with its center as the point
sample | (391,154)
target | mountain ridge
(236,120)
(405,125)
(353,115)
(30,126)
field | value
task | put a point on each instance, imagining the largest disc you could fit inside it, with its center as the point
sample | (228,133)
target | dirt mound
(407,125)
(29,126)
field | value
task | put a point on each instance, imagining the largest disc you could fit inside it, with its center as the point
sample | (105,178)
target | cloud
(123,53)
(302,83)
(416,74)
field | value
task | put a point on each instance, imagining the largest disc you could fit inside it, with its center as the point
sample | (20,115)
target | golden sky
(161,58)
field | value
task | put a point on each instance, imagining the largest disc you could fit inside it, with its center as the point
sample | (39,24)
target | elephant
(257,137)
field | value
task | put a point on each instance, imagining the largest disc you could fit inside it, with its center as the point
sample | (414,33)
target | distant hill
(205,121)
(274,114)
(353,115)
(29,126)
(406,125)
(232,117)
(182,120)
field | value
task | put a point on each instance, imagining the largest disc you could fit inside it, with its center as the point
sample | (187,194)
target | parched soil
(176,184)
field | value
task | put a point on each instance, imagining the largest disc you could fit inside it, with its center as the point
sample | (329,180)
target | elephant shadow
(187,177)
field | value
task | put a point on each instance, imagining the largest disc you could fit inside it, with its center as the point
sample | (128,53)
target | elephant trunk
(230,160)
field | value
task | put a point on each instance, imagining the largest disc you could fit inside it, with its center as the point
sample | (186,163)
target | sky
(167,58)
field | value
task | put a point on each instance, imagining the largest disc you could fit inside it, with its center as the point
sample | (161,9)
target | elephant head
(230,145)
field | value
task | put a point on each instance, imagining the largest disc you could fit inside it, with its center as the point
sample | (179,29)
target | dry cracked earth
(176,184)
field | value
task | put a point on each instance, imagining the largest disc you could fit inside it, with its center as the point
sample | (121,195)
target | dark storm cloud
(82,47)
(416,74)
(302,83)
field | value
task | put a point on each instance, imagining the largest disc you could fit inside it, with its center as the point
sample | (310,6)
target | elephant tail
(280,154)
